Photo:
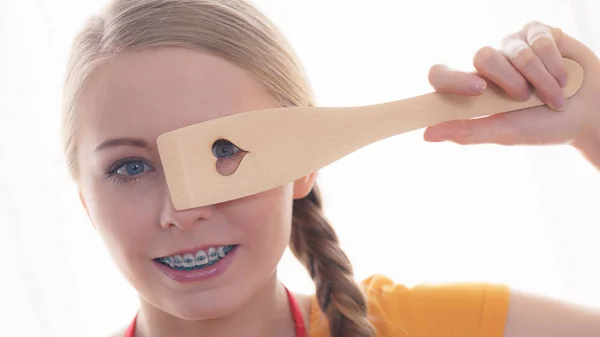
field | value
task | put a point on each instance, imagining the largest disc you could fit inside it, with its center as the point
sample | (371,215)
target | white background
(416,212)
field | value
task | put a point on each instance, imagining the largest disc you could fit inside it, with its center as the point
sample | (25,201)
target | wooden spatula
(251,152)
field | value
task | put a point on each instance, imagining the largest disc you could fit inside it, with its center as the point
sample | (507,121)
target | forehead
(147,93)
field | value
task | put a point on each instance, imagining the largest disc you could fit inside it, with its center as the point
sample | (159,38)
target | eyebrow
(134,142)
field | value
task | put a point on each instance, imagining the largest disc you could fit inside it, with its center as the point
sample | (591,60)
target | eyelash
(120,179)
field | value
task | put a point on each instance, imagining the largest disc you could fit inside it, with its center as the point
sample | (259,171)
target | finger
(573,49)
(491,64)
(522,127)
(446,80)
(540,38)
(527,62)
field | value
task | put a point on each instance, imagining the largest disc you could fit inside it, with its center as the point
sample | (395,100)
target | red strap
(296,315)
(130,332)
(294,308)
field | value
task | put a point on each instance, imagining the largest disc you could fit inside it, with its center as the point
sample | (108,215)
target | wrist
(589,147)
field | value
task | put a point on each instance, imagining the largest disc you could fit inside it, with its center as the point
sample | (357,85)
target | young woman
(143,68)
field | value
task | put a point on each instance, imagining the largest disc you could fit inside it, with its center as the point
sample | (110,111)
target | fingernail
(437,136)
(447,133)
(562,81)
(434,138)
(477,86)
(526,94)
(559,103)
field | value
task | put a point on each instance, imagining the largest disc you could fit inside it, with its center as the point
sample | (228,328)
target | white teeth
(212,254)
(189,260)
(201,258)
(221,251)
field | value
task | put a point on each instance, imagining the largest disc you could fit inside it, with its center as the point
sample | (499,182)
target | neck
(265,314)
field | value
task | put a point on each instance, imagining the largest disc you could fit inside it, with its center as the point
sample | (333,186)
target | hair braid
(315,243)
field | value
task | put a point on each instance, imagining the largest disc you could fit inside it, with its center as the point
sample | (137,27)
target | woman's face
(197,263)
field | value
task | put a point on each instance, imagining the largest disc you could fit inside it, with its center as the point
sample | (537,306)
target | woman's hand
(529,59)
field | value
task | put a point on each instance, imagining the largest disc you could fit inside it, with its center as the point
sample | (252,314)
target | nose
(184,219)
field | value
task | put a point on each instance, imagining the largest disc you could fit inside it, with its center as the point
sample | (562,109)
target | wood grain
(281,145)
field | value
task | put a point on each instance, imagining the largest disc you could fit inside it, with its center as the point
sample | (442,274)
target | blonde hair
(237,32)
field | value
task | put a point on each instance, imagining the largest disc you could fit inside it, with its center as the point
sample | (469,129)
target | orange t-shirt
(452,310)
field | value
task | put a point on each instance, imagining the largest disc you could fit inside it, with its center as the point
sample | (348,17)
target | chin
(195,311)
(208,304)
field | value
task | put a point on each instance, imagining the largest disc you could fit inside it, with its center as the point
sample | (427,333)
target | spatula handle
(418,112)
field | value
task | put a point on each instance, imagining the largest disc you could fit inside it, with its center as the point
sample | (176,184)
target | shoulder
(441,310)
(382,289)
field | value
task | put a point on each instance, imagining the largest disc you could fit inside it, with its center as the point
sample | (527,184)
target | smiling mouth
(198,260)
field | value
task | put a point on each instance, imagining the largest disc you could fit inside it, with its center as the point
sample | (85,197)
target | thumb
(574,49)
(523,127)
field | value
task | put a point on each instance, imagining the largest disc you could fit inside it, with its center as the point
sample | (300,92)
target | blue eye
(128,170)
(132,168)
(223,148)
(228,155)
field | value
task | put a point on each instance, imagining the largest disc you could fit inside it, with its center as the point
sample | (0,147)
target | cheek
(125,216)
(266,219)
